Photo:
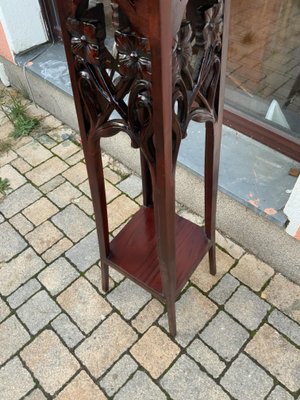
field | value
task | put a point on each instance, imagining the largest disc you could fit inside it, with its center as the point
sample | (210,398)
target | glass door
(263,78)
(50,14)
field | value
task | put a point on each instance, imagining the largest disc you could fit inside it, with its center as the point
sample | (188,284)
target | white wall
(23,24)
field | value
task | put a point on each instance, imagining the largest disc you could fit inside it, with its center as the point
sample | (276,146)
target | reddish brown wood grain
(134,251)
(166,71)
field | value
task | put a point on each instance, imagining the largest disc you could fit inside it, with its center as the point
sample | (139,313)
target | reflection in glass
(264,61)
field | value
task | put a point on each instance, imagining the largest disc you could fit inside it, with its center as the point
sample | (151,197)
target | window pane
(264,61)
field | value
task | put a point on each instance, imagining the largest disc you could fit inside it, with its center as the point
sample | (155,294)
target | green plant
(5,146)
(4,185)
(22,122)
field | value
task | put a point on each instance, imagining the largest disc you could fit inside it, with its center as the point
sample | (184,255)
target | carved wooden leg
(171,310)
(165,228)
(212,155)
(97,185)
(147,182)
(104,277)
(164,194)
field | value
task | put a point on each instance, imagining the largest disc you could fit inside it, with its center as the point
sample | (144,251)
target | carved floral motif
(83,42)
(105,80)
(212,32)
(133,56)
(183,47)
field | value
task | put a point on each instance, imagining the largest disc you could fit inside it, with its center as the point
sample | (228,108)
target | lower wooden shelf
(133,251)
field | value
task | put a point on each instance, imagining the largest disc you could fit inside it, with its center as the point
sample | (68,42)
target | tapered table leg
(212,156)
(97,186)
(164,192)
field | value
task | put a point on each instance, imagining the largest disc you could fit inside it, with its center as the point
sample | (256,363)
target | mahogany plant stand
(166,69)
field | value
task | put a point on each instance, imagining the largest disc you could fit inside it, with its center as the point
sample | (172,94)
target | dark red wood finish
(169,68)
(134,251)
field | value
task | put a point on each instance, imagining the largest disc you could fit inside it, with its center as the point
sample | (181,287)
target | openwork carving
(121,81)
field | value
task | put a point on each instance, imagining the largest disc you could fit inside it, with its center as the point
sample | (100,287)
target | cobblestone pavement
(61,337)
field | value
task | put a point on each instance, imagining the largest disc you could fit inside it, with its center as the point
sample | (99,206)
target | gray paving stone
(128,298)
(85,253)
(82,388)
(57,250)
(65,149)
(115,275)
(47,141)
(46,171)
(202,276)
(44,236)
(246,381)
(85,204)
(132,186)
(118,375)
(84,305)
(106,344)
(15,178)
(185,380)
(155,345)
(221,293)
(77,174)
(38,311)
(7,157)
(285,325)
(111,176)
(118,167)
(206,357)
(247,308)
(23,293)
(1,218)
(19,270)
(13,336)
(40,211)
(21,224)
(61,132)
(18,200)
(252,272)
(149,314)
(111,192)
(4,310)
(50,361)
(58,276)
(223,329)
(36,394)
(120,210)
(228,245)
(94,276)
(36,111)
(270,349)
(21,165)
(68,331)
(280,394)
(34,153)
(51,185)
(73,222)
(11,242)
(15,380)
(76,158)
(193,311)
(284,295)
(140,387)
(64,194)
(85,188)
(190,216)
